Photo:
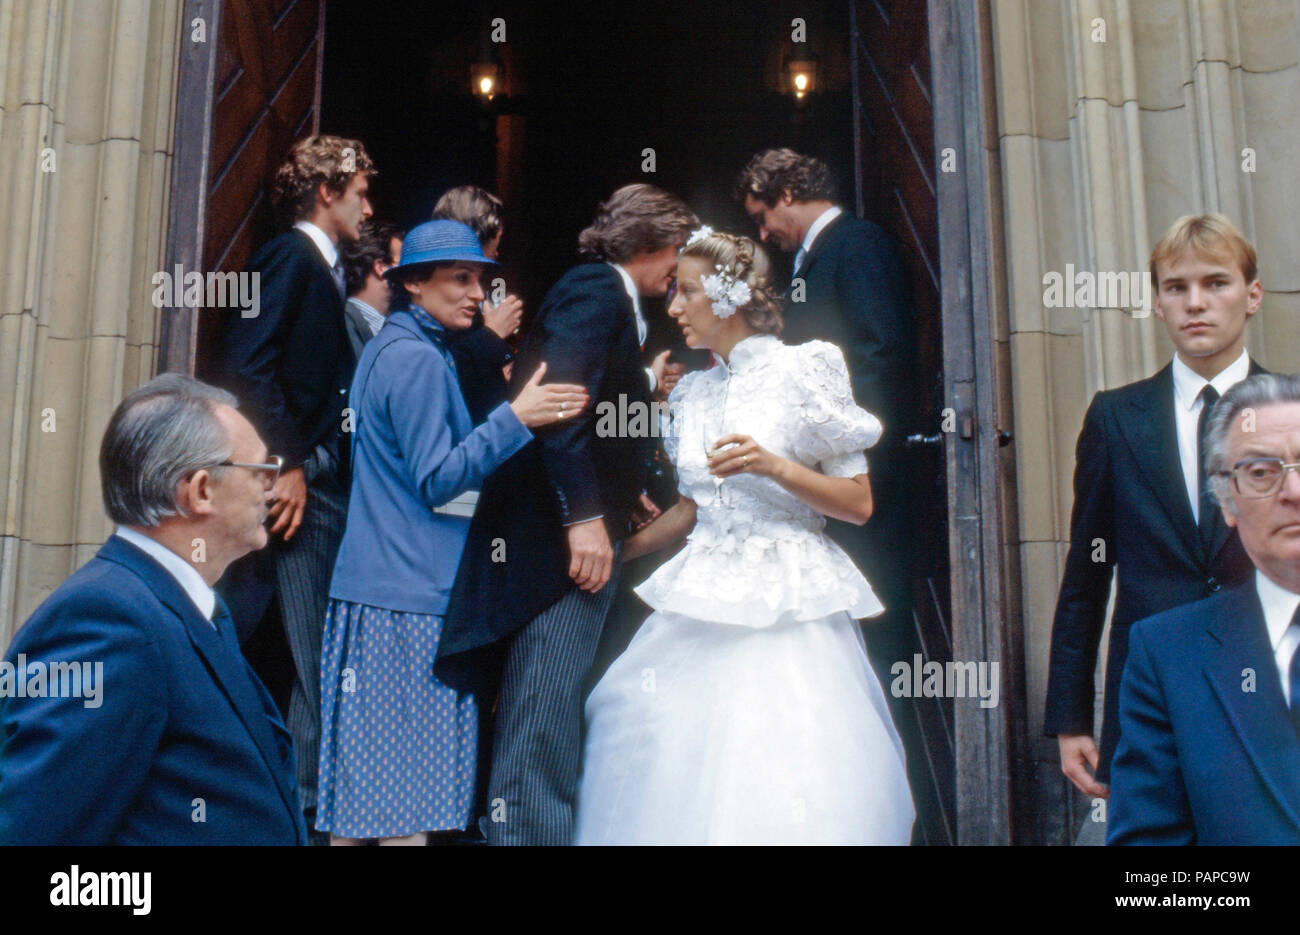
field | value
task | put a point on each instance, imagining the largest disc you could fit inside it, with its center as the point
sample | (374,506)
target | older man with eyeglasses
(127,712)
(1209,749)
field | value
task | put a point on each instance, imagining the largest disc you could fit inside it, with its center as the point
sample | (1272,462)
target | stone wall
(1103,144)
(86,113)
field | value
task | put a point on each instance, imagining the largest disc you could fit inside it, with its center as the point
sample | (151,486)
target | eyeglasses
(270,470)
(1259,477)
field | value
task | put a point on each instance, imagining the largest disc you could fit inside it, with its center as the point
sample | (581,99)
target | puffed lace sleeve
(832,430)
(674,419)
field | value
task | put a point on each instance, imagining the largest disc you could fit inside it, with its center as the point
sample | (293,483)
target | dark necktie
(1208,511)
(225,624)
(340,283)
(1294,679)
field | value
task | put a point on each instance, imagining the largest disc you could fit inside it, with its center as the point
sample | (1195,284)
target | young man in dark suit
(1209,749)
(292,365)
(541,565)
(1142,514)
(147,726)
(848,288)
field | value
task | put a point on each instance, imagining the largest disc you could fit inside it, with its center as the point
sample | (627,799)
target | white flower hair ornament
(699,234)
(727,292)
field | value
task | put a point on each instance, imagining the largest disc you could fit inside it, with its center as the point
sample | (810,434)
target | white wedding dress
(745,711)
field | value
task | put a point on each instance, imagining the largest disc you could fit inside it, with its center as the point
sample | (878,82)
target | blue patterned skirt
(398,747)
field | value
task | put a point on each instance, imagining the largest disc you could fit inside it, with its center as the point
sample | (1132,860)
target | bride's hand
(744,456)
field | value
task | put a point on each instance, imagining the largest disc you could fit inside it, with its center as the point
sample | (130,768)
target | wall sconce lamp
(801,73)
(485,79)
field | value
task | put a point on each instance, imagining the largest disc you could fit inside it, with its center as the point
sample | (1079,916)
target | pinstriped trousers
(303,568)
(538,738)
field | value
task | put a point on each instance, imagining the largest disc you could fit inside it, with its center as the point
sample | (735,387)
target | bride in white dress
(745,711)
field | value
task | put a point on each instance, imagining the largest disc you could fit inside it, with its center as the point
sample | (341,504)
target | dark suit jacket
(1130,494)
(480,358)
(358,329)
(856,297)
(1202,760)
(586,333)
(291,365)
(181,717)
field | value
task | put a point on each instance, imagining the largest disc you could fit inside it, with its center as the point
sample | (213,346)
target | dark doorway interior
(590,87)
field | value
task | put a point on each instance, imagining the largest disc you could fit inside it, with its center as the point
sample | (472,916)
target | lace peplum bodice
(757,553)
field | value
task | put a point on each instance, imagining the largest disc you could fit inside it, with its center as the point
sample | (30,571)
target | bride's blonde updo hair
(749,263)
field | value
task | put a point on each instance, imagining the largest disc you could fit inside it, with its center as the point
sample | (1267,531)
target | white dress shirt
(204,598)
(1279,607)
(1187,411)
(641,329)
(326,246)
(816,228)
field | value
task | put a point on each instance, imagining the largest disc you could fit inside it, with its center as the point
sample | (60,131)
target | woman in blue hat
(398,746)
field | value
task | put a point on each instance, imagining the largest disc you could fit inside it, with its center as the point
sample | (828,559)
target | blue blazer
(181,718)
(1201,759)
(414,448)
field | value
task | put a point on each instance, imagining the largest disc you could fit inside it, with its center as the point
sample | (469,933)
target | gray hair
(161,432)
(1263,389)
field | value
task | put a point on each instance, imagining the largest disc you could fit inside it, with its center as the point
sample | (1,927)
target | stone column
(86,114)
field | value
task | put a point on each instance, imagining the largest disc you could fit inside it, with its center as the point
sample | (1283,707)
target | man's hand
(591,557)
(1078,752)
(504,319)
(646,513)
(289,500)
(666,375)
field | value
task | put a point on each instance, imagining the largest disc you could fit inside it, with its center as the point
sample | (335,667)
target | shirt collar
(326,246)
(374,318)
(1279,606)
(1188,383)
(204,598)
(819,225)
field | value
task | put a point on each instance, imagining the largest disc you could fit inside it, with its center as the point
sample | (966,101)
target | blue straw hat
(441,242)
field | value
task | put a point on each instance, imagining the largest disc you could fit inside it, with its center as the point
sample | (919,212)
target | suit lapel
(1152,437)
(230,672)
(1239,642)
(227,667)
(358,327)
(824,238)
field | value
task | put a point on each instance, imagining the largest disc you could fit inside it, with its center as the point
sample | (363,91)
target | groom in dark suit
(291,365)
(540,567)
(1209,748)
(1142,513)
(848,288)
